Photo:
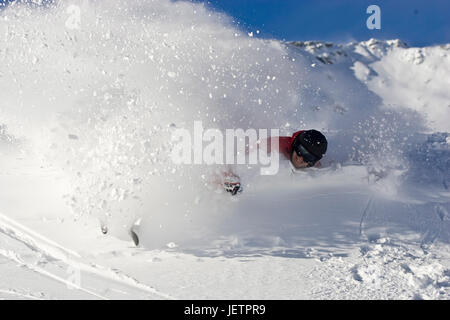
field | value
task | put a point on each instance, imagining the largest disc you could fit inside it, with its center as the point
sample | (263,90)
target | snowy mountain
(413,78)
(87,111)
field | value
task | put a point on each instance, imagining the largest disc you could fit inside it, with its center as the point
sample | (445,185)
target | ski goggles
(307,156)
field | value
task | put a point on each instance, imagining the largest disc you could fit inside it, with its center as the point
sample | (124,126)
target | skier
(304,149)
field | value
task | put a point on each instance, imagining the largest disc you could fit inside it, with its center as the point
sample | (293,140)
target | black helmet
(314,142)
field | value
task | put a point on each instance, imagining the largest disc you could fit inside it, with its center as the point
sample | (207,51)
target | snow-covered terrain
(86,113)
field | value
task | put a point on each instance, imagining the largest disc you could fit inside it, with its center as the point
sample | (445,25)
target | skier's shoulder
(284,139)
(295,134)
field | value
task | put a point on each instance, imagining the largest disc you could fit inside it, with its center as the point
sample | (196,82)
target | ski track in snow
(41,252)
(14,294)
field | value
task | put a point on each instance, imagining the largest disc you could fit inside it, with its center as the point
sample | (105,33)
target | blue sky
(418,22)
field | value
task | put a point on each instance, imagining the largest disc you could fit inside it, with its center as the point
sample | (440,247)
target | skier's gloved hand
(232,185)
(233,188)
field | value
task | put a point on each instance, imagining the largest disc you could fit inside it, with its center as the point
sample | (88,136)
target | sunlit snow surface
(86,115)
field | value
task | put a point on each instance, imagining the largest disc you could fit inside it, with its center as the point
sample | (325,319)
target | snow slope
(85,121)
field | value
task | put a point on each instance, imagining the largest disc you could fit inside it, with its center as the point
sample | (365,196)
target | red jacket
(284,144)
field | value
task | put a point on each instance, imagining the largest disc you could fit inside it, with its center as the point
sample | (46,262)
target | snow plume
(97,87)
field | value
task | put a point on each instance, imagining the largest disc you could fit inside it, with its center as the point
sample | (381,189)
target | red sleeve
(296,134)
(284,144)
